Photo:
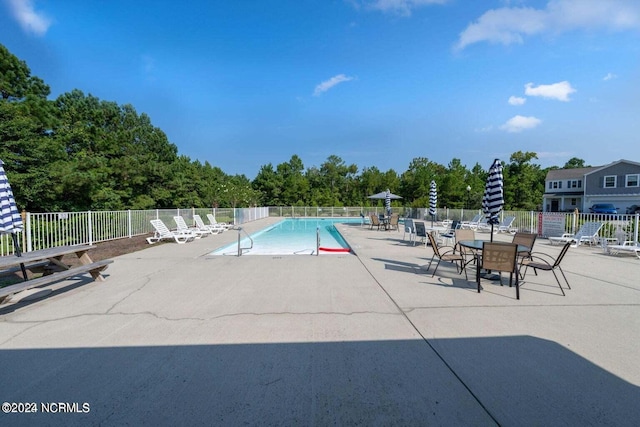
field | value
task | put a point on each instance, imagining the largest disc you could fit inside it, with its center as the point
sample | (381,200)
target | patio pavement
(176,337)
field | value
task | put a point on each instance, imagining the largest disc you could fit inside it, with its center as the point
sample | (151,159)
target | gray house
(568,189)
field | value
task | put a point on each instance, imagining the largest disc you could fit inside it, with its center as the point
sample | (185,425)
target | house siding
(593,190)
(594,184)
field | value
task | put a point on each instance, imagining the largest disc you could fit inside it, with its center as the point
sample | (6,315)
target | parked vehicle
(603,208)
(633,209)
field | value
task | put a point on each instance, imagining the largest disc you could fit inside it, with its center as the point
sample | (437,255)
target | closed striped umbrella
(493,198)
(387,201)
(433,200)
(10,218)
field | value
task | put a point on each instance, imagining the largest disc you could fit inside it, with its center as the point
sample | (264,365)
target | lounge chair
(503,227)
(473,224)
(626,246)
(163,233)
(183,227)
(213,229)
(212,221)
(588,233)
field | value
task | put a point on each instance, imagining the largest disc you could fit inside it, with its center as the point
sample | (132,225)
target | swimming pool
(294,236)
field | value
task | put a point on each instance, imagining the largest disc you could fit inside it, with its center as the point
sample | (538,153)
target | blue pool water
(293,236)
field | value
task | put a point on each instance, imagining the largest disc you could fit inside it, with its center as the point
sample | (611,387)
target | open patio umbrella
(383,195)
(493,198)
(433,200)
(10,218)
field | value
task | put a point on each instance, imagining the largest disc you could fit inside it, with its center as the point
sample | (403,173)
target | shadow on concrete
(482,381)
(65,285)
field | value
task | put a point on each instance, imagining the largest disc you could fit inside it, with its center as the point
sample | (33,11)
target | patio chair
(545,262)
(449,255)
(450,235)
(213,222)
(500,257)
(468,253)
(420,231)
(162,232)
(524,239)
(409,228)
(213,229)
(393,222)
(183,227)
(588,233)
(375,222)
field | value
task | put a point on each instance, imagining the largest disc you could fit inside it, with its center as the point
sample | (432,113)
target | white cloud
(559,91)
(520,123)
(509,25)
(516,100)
(328,84)
(400,7)
(609,76)
(30,20)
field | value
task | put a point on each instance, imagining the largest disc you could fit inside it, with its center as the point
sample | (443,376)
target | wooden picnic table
(49,257)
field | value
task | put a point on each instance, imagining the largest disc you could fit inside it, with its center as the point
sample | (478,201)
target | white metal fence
(45,230)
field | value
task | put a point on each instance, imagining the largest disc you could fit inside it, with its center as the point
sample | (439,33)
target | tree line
(78,152)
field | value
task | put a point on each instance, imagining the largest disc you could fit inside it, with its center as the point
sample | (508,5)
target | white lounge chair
(183,227)
(163,233)
(627,246)
(588,233)
(474,223)
(503,227)
(212,221)
(213,229)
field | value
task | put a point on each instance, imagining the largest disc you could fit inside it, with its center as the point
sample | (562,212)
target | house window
(574,202)
(633,180)
(610,181)
(574,183)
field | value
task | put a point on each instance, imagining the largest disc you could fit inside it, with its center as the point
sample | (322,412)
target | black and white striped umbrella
(493,199)
(433,199)
(10,218)
(387,201)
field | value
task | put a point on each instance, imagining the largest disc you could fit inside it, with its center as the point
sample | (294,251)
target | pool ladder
(240,248)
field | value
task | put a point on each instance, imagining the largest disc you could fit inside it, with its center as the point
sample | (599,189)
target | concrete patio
(176,337)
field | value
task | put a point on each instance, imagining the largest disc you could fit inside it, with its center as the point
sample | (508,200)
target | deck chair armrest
(451,250)
(540,256)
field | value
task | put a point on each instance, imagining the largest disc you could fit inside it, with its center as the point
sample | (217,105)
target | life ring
(334,249)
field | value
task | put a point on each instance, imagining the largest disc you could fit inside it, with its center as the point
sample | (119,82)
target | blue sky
(242,83)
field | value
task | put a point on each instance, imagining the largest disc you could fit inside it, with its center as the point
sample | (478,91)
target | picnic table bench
(52,257)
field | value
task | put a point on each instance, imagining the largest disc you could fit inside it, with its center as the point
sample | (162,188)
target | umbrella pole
(16,247)
(491,232)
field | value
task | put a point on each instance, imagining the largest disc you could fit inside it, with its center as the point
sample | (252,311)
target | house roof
(612,164)
(557,174)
